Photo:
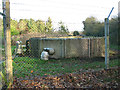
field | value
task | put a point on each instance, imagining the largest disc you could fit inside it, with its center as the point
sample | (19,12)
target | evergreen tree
(49,25)
(63,28)
(40,26)
(13,27)
(32,25)
(22,26)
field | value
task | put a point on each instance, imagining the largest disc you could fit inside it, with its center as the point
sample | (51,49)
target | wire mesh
(74,52)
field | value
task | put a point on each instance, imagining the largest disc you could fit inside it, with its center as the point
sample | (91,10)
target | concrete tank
(68,47)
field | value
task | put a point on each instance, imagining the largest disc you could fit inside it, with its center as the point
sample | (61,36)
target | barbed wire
(37,5)
(64,7)
(21,9)
(59,11)
(48,10)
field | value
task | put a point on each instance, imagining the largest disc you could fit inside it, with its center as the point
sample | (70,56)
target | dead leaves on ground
(93,79)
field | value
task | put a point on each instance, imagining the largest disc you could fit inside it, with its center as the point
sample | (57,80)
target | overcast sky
(71,12)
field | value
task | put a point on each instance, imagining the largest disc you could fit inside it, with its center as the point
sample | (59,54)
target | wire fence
(39,49)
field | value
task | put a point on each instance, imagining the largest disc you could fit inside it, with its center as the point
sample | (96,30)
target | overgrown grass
(26,66)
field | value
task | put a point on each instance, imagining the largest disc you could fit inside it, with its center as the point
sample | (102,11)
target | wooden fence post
(7,40)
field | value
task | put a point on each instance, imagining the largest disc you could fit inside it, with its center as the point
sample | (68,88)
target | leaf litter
(109,78)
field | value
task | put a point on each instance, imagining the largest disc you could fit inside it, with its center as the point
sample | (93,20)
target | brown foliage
(91,79)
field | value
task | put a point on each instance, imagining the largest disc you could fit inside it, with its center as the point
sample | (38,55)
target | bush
(75,33)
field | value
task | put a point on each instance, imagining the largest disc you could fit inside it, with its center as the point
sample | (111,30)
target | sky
(71,12)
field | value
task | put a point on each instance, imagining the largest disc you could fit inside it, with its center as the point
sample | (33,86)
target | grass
(23,66)
(27,66)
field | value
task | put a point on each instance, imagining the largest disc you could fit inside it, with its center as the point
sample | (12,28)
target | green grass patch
(23,66)
(26,66)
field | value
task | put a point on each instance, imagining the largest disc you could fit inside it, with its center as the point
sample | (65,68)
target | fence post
(106,44)
(107,40)
(7,41)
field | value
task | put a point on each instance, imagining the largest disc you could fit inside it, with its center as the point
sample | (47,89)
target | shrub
(75,33)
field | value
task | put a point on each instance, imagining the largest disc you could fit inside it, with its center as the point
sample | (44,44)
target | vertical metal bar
(4,23)
(3,4)
(107,40)
(4,18)
(106,43)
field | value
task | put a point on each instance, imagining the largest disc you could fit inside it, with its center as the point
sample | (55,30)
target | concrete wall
(68,47)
